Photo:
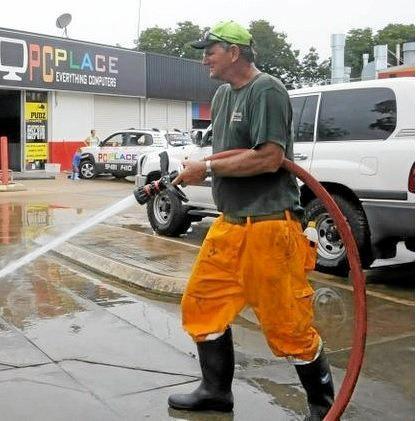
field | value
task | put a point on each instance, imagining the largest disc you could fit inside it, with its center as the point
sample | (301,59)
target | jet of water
(101,216)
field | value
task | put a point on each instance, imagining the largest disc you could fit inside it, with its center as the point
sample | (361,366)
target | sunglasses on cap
(209,34)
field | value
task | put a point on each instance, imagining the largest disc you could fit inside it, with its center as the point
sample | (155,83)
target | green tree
(274,54)
(393,34)
(311,71)
(181,38)
(357,43)
(156,40)
(172,42)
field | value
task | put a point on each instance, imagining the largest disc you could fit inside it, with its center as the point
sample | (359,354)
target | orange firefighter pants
(261,264)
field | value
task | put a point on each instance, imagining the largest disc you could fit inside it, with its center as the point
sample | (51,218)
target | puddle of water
(30,299)
(52,241)
(27,297)
(283,395)
(21,224)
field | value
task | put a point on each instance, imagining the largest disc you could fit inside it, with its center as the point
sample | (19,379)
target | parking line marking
(160,237)
(375,342)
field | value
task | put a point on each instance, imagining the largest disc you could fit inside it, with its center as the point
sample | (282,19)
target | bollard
(4,165)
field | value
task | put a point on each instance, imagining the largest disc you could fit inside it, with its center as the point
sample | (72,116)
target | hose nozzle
(145,193)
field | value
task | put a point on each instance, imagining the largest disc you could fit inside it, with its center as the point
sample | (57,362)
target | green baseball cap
(230,32)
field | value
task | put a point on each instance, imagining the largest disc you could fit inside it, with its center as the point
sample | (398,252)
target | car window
(297,108)
(116,140)
(357,114)
(132,139)
(303,117)
(178,139)
(307,119)
(146,139)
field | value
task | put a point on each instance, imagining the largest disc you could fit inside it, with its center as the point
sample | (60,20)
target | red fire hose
(358,279)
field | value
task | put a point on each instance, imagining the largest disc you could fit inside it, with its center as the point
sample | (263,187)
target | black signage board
(35,61)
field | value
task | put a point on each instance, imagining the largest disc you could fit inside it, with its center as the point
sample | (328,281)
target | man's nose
(204,59)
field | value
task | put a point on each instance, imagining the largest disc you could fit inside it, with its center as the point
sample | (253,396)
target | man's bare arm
(267,158)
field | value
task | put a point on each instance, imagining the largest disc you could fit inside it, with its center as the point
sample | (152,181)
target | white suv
(118,153)
(358,140)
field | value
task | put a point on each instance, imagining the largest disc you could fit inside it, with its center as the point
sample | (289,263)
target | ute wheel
(167,215)
(332,256)
(87,169)
(119,174)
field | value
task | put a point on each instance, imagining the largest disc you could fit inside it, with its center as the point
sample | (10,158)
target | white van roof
(382,83)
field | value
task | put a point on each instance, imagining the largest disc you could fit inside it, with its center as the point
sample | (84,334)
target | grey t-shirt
(247,117)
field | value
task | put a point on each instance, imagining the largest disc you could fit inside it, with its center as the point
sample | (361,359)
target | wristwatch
(208,167)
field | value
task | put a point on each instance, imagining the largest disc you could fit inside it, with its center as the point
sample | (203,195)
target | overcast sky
(306,22)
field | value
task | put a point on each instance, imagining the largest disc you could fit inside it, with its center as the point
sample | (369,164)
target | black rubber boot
(217,365)
(316,378)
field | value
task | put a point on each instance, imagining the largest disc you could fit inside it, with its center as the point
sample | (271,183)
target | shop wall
(73,115)
(168,115)
(71,119)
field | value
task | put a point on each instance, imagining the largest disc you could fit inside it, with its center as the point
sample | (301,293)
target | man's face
(218,60)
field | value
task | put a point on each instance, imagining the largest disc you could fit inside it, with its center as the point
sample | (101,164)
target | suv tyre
(332,256)
(167,215)
(87,169)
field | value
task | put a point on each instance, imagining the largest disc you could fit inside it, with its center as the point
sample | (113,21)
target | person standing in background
(92,140)
(76,160)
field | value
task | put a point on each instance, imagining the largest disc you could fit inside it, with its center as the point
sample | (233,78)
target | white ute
(119,152)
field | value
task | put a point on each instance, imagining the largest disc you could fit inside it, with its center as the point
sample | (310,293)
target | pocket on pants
(311,252)
(304,305)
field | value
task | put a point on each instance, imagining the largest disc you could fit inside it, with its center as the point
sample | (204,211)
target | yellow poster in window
(36,151)
(36,111)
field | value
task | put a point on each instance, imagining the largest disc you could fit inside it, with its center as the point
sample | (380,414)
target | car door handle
(300,157)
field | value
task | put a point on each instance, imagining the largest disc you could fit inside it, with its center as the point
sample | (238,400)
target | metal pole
(4,165)
(138,24)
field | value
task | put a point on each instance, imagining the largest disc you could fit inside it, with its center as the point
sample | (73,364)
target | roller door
(156,114)
(115,113)
(177,115)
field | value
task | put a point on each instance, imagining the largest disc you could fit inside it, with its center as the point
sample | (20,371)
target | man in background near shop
(255,253)
(92,140)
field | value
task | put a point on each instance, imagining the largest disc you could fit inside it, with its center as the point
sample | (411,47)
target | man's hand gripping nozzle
(145,193)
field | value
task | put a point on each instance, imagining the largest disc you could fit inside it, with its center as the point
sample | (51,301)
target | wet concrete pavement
(77,343)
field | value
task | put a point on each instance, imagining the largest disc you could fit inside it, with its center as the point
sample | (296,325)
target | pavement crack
(155,388)
(148,370)
(74,379)
(28,380)
(375,342)
(17,366)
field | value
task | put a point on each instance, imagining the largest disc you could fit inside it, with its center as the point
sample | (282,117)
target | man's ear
(235,52)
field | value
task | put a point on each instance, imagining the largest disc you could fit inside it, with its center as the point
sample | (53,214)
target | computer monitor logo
(13,58)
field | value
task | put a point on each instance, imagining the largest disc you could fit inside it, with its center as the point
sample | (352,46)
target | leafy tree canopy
(275,54)
(360,41)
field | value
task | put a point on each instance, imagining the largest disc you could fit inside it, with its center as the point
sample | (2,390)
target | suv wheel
(167,215)
(87,169)
(332,255)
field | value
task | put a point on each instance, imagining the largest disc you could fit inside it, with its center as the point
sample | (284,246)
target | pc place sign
(28,60)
